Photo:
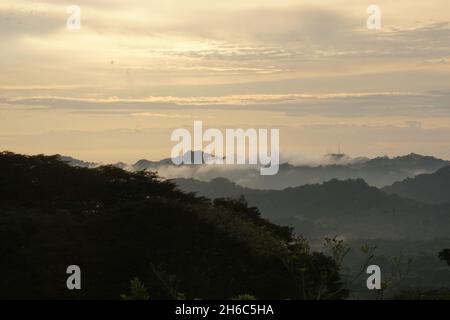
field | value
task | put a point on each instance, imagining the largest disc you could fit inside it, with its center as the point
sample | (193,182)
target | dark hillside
(117,225)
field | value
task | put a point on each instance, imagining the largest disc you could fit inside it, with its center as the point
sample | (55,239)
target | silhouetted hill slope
(216,188)
(350,208)
(118,225)
(429,188)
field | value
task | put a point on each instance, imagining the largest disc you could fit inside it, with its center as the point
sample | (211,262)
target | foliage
(315,275)
(137,291)
(444,255)
(116,225)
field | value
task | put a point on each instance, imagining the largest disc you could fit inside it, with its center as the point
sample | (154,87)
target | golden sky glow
(115,89)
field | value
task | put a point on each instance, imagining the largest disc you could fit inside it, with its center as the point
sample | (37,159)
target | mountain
(350,208)
(187,157)
(429,188)
(121,165)
(144,164)
(379,172)
(341,159)
(413,162)
(117,225)
(77,163)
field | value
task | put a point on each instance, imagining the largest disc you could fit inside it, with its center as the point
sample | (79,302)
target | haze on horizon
(115,89)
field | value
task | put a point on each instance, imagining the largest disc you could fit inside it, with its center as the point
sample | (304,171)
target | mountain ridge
(428,188)
(350,208)
(379,171)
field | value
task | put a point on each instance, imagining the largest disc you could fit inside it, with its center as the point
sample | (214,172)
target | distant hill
(412,162)
(379,172)
(349,208)
(118,225)
(429,188)
(341,159)
(187,157)
(77,163)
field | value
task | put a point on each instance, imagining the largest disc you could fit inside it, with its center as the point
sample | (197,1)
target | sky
(115,89)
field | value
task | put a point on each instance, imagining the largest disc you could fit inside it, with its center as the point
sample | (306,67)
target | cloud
(209,47)
(331,104)
(160,115)
(242,62)
(29,21)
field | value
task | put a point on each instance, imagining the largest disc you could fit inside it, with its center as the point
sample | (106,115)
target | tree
(315,274)
(444,255)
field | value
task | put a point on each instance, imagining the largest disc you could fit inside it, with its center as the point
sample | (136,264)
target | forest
(137,236)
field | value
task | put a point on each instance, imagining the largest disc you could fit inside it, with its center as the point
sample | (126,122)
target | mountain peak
(336,158)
